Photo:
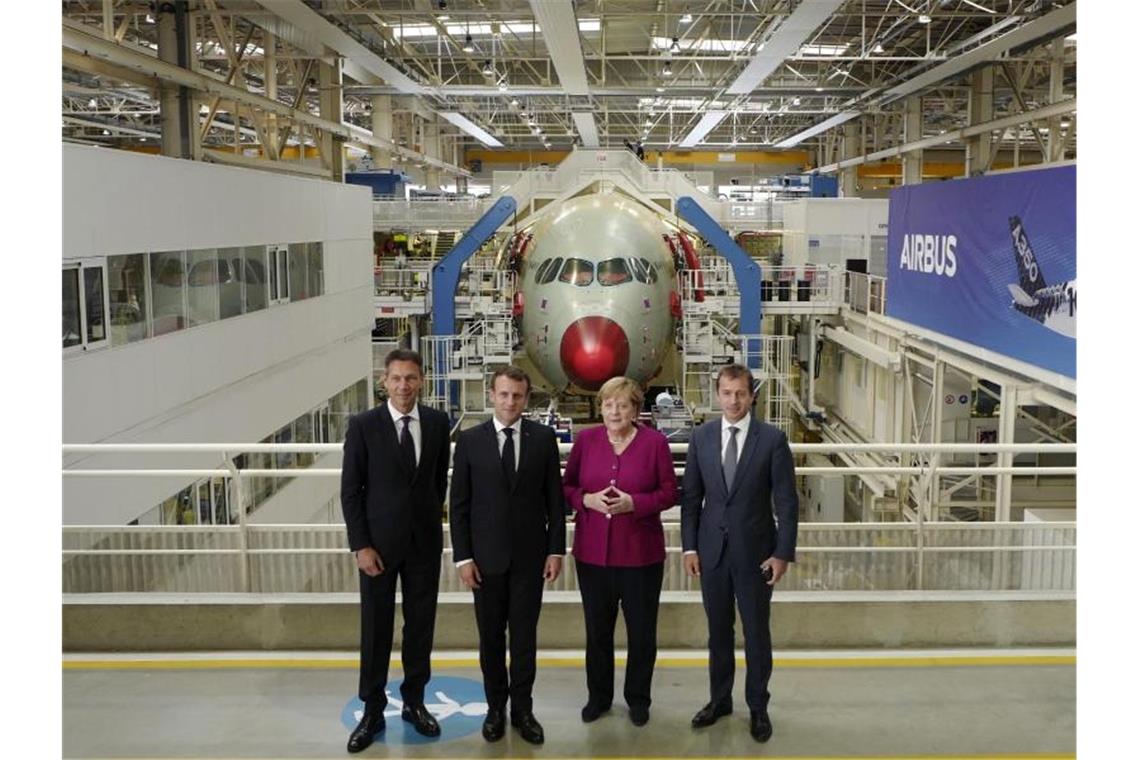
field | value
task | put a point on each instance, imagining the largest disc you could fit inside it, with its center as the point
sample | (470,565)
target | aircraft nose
(594,349)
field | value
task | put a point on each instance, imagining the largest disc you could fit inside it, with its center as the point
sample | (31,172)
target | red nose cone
(594,349)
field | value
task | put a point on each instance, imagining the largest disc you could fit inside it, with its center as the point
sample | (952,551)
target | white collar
(741,425)
(397,414)
(499,427)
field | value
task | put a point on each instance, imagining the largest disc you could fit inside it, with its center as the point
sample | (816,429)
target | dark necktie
(407,445)
(730,452)
(509,454)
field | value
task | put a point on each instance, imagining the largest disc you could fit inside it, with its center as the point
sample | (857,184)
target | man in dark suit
(508,533)
(393,484)
(738,472)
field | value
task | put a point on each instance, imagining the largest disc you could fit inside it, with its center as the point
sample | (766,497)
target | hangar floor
(967,704)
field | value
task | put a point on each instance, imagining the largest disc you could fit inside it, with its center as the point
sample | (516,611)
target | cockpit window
(613,272)
(651,270)
(548,270)
(577,272)
(640,273)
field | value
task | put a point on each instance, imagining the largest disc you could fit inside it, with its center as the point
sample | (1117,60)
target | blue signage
(991,261)
(459,704)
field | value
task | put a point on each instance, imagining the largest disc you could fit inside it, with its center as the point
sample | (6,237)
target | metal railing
(919,555)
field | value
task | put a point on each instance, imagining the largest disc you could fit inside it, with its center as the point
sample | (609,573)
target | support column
(381,128)
(849,177)
(176,104)
(332,108)
(981,109)
(912,131)
(1006,419)
(272,135)
(1056,142)
(431,150)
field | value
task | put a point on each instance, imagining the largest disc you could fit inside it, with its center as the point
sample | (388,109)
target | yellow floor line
(575,662)
(955,756)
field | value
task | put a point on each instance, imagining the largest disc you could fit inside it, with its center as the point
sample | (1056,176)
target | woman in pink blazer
(619,479)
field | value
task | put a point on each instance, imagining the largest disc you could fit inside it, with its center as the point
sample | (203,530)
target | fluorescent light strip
(823,126)
(560,33)
(471,128)
(787,39)
(516,28)
(707,123)
(587,129)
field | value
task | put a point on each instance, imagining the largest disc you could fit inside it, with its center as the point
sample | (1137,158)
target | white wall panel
(237,379)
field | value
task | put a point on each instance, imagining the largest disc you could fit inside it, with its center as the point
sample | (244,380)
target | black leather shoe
(709,714)
(639,716)
(761,728)
(592,712)
(371,724)
(529,728)
(420,719)
(495,724)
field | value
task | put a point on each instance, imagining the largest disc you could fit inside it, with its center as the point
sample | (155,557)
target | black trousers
(419,584)
(638,591)
(511,602)
(720,586)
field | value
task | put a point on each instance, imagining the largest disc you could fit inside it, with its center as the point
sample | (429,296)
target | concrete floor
(887,705)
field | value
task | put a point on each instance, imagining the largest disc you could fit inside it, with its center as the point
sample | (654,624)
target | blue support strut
(746,270)
(445,274)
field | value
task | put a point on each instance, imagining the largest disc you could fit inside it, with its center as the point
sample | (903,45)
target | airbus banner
(992,261)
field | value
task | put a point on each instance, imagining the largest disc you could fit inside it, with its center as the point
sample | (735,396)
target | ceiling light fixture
(687,18)
(659,88)
(878,48)
(502,85)
(795,101)
(924,19)
(488,70)
(92,103)
(514,102)
(676,46)
(468,45)
(667,71)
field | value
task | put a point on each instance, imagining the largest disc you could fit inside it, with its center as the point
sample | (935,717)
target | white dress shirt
(413,426)
(742,427)
(502,437)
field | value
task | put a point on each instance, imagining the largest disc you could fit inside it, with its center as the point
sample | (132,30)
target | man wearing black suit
(508,533)
(738,471)
(393,484)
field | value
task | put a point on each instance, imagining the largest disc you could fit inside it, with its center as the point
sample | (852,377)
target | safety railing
(918,555)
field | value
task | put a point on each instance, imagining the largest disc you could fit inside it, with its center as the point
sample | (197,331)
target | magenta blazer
(644,471)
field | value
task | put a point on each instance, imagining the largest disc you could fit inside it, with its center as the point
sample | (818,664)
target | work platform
(885,704)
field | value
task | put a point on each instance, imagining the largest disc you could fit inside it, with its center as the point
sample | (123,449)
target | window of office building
(203,278)
(303,433)
(229,282)
(167,291)
(72,335)
(126,285)
(299,271)
(278,274)
(96,320)
(255,278)
(316,269)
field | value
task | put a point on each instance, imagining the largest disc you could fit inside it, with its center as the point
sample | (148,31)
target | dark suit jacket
(500,524)
(384,502)
(764,482)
